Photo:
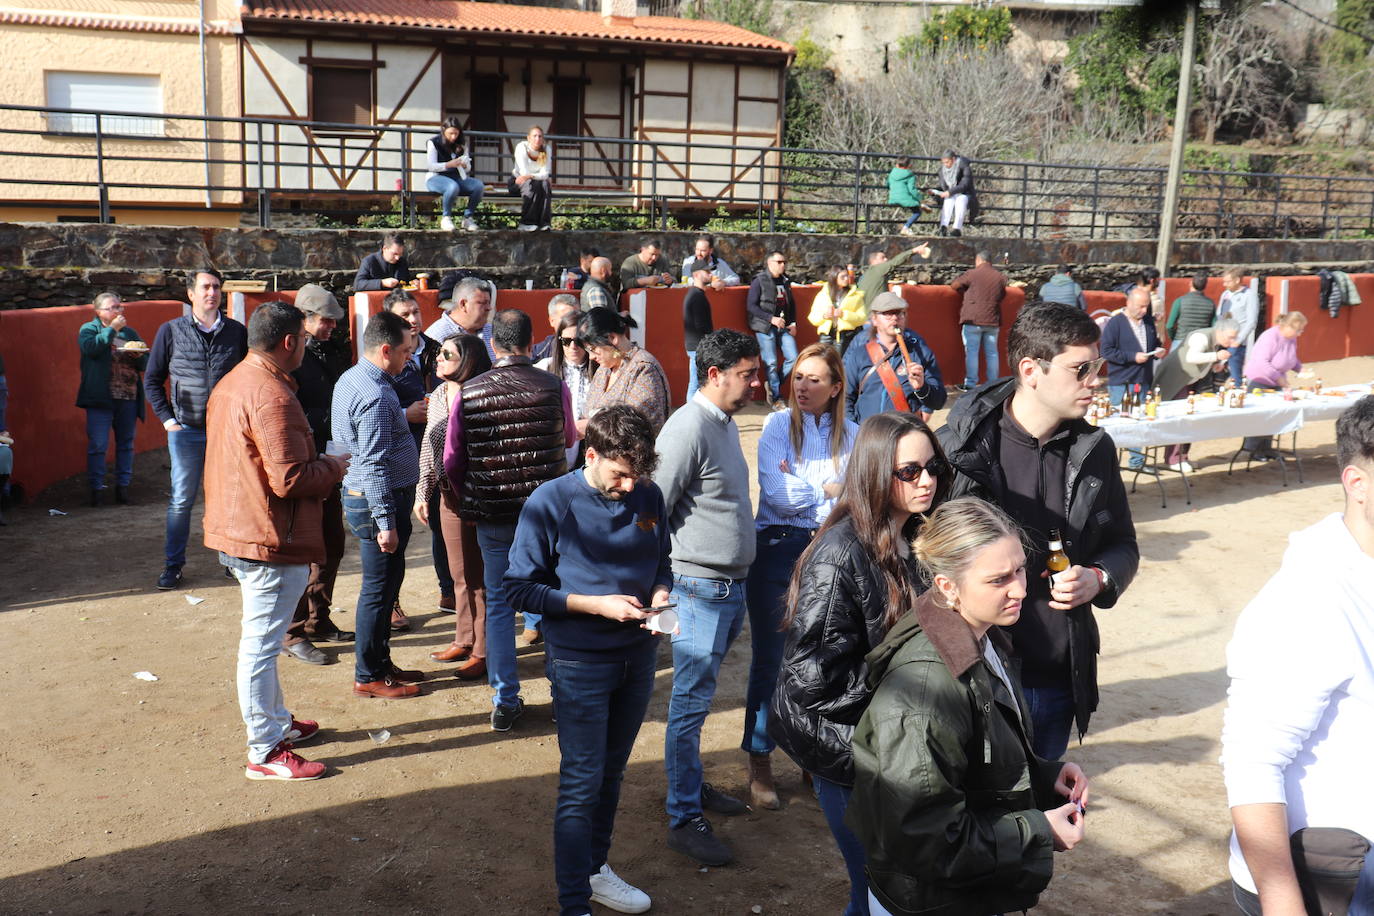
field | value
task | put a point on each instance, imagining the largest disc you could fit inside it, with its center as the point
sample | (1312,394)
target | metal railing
(100,160)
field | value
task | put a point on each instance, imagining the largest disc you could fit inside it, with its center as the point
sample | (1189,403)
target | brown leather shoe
(472,669)
(448,604)
(452,653)
(404,676)
(530,637)
(399,620)
(762,792)
(386,688)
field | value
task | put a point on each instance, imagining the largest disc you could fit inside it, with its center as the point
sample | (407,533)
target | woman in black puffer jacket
(853,583)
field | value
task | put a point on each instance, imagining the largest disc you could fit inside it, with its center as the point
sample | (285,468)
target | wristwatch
(1104,580)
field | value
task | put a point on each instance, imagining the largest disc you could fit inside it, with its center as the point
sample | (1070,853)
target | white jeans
(270,594)
(953,210)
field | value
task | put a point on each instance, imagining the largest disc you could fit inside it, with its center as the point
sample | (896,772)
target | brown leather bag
(886,376)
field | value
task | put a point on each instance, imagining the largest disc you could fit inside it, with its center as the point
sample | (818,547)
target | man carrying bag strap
(901,360)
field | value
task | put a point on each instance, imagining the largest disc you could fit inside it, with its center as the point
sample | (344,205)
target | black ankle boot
(122,496)
(95,497)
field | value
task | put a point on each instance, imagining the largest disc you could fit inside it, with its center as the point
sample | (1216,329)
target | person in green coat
(902,191)
(956,813)
(113,358)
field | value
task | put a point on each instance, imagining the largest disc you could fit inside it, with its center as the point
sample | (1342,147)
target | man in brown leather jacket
(264,483)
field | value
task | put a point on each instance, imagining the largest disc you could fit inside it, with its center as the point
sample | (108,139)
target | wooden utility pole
(1169,218)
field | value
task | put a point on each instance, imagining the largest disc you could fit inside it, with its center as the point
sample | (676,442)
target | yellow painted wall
(29,52)
(123,216)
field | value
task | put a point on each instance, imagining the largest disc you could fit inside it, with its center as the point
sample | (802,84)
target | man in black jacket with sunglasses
(1023,444)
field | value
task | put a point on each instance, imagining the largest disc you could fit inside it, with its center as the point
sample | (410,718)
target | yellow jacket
(852,310)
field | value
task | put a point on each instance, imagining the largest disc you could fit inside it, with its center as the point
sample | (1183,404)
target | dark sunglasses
(911,471)
(572,342)
(1083,371)
(448,354)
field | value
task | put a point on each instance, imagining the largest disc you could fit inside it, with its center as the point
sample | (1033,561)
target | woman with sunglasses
(955,811)
(629,374)
(571,362)
(851,585)
(803,452)
(461,357)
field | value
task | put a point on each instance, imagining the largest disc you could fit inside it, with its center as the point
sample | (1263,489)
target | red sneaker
(283,764)
(301,730)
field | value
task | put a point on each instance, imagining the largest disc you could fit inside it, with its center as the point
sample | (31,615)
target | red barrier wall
(1351,333)
(43,369)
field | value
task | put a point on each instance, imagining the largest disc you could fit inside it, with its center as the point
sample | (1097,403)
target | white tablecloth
(1262,415)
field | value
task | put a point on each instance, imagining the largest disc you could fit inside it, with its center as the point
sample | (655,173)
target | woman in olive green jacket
(956,813)
(111,393)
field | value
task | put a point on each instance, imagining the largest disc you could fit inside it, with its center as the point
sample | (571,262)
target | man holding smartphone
(591,554)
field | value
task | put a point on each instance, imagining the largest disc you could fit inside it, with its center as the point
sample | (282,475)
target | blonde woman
(531,180)
(838,309)
(955,812)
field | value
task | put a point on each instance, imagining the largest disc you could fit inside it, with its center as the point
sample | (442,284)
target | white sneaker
(611,891)
(526,227)
(906,230)
(446,224)
(1182,466)
(469,224)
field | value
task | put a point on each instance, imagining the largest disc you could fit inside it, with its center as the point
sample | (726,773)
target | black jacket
(514,435)
(963,184)
(1099,527)
(821,691)
(193,362)
(375,269)
(761,301)
(949,798)
(315,380)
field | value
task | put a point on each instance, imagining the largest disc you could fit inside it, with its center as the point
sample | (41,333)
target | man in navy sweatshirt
(590,552)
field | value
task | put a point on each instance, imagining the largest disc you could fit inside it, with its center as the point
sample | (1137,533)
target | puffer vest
(197,364)
(513,428)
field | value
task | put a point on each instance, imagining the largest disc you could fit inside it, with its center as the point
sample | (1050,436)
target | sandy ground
(127,796)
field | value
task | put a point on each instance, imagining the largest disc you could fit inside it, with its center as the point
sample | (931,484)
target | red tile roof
(89,20)
(509,19)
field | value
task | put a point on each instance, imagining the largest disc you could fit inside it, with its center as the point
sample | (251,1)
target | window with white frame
(125,102)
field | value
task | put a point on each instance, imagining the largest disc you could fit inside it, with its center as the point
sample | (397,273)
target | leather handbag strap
(887,376)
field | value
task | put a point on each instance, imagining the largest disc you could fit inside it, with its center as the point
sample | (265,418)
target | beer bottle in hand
(1058,560)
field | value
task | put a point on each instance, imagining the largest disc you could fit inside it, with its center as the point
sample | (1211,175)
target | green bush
(1130,61)
(984,28)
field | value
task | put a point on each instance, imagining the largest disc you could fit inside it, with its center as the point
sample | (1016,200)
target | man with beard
(590,552)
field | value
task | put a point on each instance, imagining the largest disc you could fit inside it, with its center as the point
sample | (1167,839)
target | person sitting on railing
(902,191)
(384,269)
(449,164)
(531,180)
(954,185)
(722,275)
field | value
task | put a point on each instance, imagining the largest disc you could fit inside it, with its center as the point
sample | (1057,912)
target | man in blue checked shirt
(378,491)
(470,314)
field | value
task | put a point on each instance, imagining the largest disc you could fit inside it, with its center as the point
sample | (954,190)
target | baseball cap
(888,302)
(315,299)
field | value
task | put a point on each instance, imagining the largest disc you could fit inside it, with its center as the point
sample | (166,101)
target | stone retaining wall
(44,264)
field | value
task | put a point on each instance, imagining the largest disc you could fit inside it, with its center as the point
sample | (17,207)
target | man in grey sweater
(705,484)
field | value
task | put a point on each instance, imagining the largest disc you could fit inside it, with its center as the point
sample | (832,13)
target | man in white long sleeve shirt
(1241,305)
(704,252)
(1299,726)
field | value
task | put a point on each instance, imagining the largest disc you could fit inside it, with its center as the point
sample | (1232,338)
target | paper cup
(330,448)
(665,621)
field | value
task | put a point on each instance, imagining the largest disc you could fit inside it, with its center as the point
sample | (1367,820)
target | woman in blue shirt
(803,452)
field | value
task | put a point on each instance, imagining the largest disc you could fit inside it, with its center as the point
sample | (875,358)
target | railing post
(1221,199)
(858,189)
(763,164)
(1326,205)
(101,189)
(264,199)
(1092,214)
(1025,190)
(1278,195)
(408,205)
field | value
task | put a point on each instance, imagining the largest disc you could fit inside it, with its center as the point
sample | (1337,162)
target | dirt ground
(127,796)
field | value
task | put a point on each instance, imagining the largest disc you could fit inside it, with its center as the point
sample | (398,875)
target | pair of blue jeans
(1235,363)
(692,383)
(187,449)
(383,574)
(976,338)
(771,342)
(270,593)
(123,418)
(1051,712)
(1116,393)
(834,800)
(495,540)
(448,190)
(438,547)
(778,549)
(599,706)
(710,614)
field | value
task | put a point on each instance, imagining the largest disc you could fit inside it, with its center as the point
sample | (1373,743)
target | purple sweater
(1271,357)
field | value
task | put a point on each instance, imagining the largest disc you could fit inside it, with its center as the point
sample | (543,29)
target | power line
(1330,25)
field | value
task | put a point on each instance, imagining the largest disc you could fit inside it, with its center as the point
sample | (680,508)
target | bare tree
(1246,80)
